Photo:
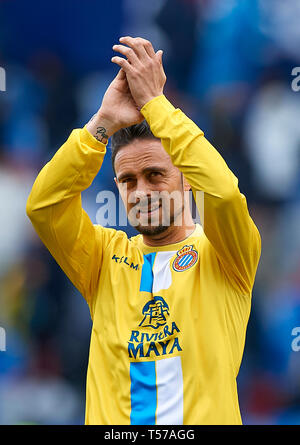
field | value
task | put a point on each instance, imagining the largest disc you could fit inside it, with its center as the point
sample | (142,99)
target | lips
(149,209)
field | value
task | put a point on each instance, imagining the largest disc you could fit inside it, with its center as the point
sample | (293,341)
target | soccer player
(169,306)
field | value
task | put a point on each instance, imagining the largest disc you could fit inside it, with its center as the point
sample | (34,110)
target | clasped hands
(143,68)
(141,78)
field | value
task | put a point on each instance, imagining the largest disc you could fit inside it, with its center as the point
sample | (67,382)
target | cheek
(173,187)
(124,195)
(128,198)
(171,205)
(168,185)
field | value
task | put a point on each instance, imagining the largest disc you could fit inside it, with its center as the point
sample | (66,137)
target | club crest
(186,258)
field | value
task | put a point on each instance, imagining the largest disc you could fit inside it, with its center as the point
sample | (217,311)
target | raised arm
(226,220)
(227,224)
(54,204)
(55,210)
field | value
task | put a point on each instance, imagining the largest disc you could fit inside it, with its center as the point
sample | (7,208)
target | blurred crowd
(228,65)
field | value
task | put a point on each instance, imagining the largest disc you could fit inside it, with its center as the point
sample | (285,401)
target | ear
(116,182)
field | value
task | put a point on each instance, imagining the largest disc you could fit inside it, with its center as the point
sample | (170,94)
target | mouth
(150,210)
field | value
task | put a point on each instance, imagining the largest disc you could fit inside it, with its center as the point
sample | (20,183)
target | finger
(123,63)
(148,47)
(136,44)
(159,55)
(121,75)
(127,52)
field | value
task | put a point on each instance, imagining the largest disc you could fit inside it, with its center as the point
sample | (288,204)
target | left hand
(118,110)
(143,67)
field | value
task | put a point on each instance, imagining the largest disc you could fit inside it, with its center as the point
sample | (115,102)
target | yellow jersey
(169,322)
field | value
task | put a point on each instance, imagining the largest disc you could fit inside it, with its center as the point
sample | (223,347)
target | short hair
(125,136)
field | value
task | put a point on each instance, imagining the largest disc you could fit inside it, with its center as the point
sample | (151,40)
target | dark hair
(125,136)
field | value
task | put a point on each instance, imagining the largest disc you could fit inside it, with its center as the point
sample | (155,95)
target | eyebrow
(146,170)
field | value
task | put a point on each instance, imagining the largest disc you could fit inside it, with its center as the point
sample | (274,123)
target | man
(169,306)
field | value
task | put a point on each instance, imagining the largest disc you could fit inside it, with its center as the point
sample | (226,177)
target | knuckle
(139,42)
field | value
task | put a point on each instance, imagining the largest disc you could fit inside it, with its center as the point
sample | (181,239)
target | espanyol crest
(186,258)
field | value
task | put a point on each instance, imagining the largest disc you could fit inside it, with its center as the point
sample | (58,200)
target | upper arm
(74,241)
(234,237)
(55,210)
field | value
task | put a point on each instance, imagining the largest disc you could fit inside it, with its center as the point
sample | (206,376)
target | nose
(142,191)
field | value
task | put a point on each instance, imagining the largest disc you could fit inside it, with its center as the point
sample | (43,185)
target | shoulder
(107,234)
(136,240)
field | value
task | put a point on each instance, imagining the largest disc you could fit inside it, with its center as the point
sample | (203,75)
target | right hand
(118,109)
(143,67)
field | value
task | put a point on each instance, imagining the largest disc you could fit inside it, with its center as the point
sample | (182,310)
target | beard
(151,231)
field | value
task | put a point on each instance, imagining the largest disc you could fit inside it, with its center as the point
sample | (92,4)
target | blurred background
(228,65)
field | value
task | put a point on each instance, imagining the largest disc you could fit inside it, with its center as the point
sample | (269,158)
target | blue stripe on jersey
(185,260)
(143,393)
(147,273)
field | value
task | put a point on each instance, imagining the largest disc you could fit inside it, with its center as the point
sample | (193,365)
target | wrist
(148,99)
(101,127)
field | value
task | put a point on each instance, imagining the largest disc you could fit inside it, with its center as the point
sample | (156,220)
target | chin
(151,230)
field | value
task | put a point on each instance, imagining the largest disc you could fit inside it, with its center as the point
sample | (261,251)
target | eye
(126,180)
(154,174)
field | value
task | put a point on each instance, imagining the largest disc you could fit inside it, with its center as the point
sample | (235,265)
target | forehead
(140,154)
